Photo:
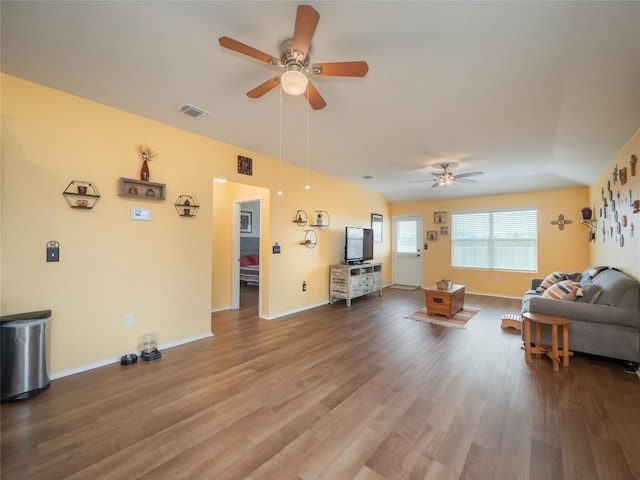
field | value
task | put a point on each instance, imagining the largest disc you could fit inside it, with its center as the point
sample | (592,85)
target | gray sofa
(605,321)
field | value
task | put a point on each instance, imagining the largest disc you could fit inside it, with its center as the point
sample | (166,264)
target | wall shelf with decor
(590,223)
(81,194)
(187,205)
(310,239)
(300,218)
(322,220)
(128,187)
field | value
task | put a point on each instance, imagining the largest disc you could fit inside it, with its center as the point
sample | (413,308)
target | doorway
(246,274)
(407,250)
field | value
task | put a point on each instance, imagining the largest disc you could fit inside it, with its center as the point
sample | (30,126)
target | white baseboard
(484,294)
(220,309)
(110,361)
(297,310)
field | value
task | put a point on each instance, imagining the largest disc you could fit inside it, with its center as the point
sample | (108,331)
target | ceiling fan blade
(436,184)
(464,180)
(419,181)
(263,88)
(470,174)
(306,22)
(341,69)
(315,99)
(240,47)
(436,174)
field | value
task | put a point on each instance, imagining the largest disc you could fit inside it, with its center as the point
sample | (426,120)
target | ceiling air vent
(192,110)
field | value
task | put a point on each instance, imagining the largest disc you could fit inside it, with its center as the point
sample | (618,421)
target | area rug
(403,287)
(459,320)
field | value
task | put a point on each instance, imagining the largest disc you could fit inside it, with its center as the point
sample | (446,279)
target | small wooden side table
(444,302)
(552,351)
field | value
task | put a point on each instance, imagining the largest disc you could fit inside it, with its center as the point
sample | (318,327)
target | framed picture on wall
(245,165)
(444,230)
(245,222)
(432,235)
(376,226)
(440,217)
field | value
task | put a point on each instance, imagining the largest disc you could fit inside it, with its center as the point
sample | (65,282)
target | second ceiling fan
(445,178)
(295,62)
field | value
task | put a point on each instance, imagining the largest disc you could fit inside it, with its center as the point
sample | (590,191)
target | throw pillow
(244,261)
(551,279)
(254,259)
(564,290)
(591,293)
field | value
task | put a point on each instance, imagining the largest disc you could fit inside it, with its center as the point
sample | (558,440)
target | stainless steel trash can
(24,371)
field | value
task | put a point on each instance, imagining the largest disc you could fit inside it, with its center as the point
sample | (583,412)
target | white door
(407,250)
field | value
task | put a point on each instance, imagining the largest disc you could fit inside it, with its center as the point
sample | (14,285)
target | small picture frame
(444,230)
(245,165)
(245,222)
(376,226)
(432,235)
(440,218)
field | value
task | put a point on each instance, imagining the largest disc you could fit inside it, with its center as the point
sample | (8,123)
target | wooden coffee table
(444,302)
(552,351)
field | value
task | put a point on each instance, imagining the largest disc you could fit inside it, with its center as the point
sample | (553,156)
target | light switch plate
(140,214)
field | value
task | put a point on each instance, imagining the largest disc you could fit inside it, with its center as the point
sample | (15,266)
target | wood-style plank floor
(335,393)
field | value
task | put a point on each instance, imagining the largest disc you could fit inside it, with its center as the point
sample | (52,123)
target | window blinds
(504,240)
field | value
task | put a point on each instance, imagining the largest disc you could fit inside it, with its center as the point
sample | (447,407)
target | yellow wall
(566,250)
(164,272)
(607,249)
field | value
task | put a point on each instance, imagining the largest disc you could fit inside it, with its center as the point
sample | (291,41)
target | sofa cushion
(618,290)
(551,279)
(564,290)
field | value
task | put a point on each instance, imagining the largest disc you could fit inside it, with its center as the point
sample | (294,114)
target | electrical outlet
(128,320)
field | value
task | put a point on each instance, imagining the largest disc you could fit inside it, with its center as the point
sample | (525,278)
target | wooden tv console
(351,281)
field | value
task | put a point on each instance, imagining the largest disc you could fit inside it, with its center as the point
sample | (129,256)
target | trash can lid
(42,314)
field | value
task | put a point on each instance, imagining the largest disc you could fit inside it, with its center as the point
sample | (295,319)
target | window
(406,236)
(495,240)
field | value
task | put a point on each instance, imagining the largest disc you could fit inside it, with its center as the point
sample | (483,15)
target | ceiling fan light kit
(294,61)
(293,81)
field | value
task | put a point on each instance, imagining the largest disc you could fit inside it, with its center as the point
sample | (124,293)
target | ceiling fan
(445,178)
(295,63)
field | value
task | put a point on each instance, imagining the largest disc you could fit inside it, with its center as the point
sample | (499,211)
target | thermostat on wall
(140,214)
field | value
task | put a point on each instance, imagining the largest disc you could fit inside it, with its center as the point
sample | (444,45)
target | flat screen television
(358,245)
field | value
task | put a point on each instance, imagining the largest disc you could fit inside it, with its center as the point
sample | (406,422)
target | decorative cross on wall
(561,222)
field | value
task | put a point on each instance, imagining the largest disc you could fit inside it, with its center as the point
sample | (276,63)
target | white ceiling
(537,95)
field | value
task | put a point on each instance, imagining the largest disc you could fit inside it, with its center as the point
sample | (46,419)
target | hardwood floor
(335,393)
